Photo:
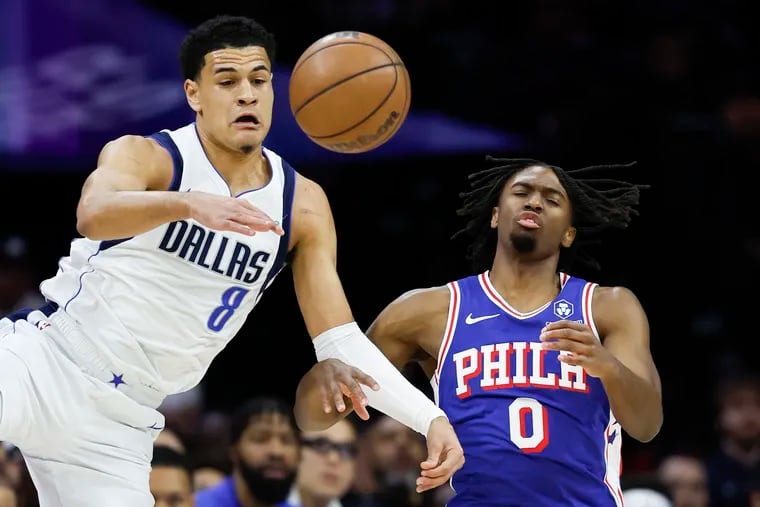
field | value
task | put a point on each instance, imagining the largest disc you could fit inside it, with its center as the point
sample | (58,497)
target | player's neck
(525,283)
(241,171)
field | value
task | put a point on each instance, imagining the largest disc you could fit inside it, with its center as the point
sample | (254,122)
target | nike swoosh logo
(474,320)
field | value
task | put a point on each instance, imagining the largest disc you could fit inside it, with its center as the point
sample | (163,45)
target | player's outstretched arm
(127,195)
(623,363)
(328,316)
(410,328)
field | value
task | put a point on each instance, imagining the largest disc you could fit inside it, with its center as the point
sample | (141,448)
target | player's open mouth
(247,121)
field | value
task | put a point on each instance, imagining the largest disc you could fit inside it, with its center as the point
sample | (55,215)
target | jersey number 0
(522,410)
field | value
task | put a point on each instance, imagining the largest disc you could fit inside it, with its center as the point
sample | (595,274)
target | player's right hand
(445,455)
(336,380)
(224,213)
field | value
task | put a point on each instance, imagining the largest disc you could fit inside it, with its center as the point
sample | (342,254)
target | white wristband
(397,397)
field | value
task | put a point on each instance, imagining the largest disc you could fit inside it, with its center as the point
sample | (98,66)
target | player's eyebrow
(220,70)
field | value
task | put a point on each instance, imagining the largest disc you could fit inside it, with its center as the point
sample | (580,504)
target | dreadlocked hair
(598,204)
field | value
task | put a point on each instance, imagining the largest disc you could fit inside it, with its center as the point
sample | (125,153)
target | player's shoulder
(423,300)
(132,142)
(614,298)
(135,147)
(416,315)
(309,195)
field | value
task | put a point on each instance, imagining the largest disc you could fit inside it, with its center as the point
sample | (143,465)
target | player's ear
(192,95)
(495,217)
(568,237)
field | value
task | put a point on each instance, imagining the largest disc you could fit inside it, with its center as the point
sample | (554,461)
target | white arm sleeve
(397,397)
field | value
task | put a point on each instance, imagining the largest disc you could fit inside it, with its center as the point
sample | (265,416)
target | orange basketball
(349,92)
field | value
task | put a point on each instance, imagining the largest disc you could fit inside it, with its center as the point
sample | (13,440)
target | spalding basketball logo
(563,309)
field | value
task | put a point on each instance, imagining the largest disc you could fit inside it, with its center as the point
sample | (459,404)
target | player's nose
(533,203)
(247,94)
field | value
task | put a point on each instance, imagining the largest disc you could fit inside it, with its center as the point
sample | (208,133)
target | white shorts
(86,443)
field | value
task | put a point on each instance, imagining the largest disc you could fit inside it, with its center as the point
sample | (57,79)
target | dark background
(670,84)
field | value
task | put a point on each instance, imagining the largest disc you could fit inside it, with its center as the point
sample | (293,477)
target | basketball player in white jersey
(182,232)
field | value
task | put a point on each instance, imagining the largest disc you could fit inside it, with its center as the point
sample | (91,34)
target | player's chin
(248,141)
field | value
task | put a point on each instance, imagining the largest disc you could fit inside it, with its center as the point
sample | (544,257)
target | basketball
(349,92)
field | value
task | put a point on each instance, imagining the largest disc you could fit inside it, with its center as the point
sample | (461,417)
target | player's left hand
(445,455)
(581,346)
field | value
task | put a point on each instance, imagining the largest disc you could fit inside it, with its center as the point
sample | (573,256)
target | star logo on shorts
(117,380)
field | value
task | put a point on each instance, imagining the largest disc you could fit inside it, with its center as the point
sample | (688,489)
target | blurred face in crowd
(686,478)
(266,457)
(328,461)
(171,487)
(207,477)
(394,447)
(740,415)
(7,497)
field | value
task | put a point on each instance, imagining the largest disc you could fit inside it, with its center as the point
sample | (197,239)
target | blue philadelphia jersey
(535,431)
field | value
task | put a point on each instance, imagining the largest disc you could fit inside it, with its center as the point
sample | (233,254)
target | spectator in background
(731,466)
(264,453)
(328,466)
(18,280)
(685,477)
(169,438)
(7,494)
(645,490)
(387,466)
(170,478)
(207,476)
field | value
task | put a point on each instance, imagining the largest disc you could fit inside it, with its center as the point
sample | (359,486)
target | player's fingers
(365,379)
(568,346)
(360,409)
(434,458)
(233,226)
(354,391)
(571,324)
(250,207)
(578,335)
(573,359)
(255,213)
(256,222)
(327,402)
(337,398)
(425,483)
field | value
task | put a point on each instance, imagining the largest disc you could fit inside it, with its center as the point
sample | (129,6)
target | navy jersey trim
(289,190)
(47,310)
(166,141)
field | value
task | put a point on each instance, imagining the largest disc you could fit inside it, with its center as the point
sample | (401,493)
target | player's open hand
(336,380)
(224,213)
(445,455)
(579,346)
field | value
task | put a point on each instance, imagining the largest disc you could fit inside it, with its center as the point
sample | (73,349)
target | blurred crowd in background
(671,84)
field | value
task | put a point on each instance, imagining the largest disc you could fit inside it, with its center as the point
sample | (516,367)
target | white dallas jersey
(164,303)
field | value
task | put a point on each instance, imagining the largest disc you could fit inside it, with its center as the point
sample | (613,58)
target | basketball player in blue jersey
(183,230)
(537,370)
